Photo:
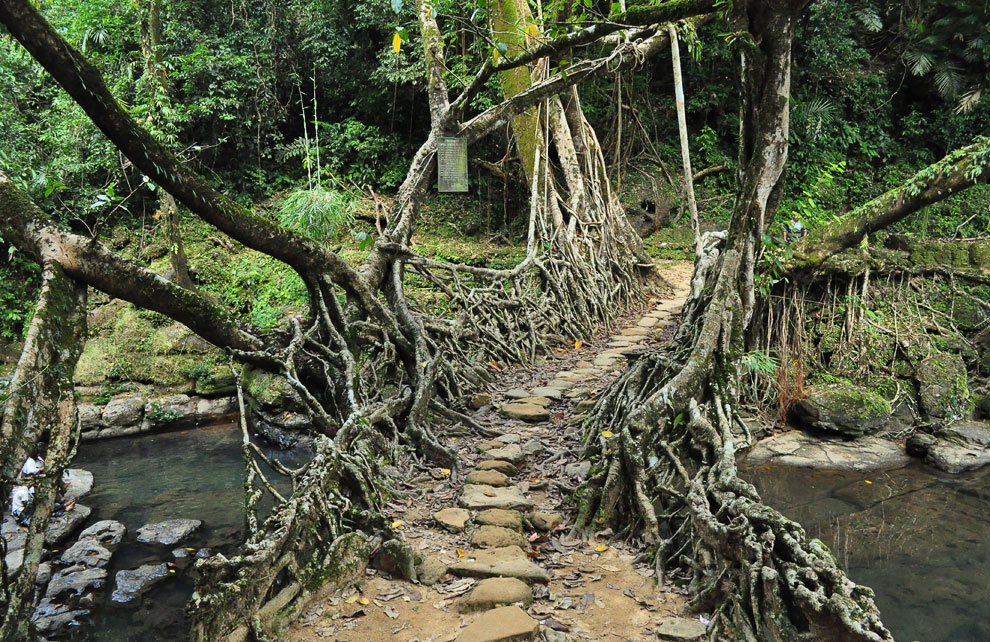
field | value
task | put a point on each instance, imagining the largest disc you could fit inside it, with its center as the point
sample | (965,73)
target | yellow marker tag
(601,548)
(868,481)
(171,570)
(396,42)
(607,434)
(397,523)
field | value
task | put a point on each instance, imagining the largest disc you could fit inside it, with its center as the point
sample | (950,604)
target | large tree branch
(959,170)
(29,229)
(84,83)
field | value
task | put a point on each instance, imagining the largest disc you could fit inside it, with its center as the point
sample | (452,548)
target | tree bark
(675,52)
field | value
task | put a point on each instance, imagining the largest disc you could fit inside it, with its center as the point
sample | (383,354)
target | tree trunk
(675,52)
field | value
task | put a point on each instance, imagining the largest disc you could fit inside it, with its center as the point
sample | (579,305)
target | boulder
(502,466)
(961,446)
(453,519)
(68,585)
(89,417)
(494,591)
(123,411)
(488,477)
(429,570)
(681,629)
(169,532)
(842,408)
(80,483)
(496,537)
(509,561)
(479,497)
(108,533)
(132,584)
(59,528)
(795,448)
(505,624)
(942,389)
(501,517)
(86,552)
(531,412)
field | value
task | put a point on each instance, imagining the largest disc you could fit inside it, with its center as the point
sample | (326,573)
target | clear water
(196,474)
(920,538)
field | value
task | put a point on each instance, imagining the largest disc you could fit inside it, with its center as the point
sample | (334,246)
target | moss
(979,255)
(269,390)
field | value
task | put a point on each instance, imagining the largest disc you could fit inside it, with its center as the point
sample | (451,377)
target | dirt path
(498,563)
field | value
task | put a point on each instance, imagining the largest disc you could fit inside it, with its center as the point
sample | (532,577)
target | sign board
(452,164)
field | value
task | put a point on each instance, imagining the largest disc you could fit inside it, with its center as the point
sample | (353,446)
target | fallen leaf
(397,523)
(364,601)
(460,552)
(488,494)
(601,548)
(493,364)
(577,344)
(867,481)
(446,472)
(607,434)
(352,599)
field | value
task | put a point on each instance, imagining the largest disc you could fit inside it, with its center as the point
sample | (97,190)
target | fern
(319,213)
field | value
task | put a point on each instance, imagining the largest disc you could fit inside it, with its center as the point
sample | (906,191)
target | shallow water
(920,538)
(196,474)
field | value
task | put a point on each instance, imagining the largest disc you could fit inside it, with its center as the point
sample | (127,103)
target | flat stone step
(487,477)
(502,466)
(647,322)
(605,360)
(509,561)
(526,411)
(505,624)
(488,536)
(501,517)
(546,391)
(511,453)
(494,591)
(634,331)
(515,393)
(453,519)
(480,497)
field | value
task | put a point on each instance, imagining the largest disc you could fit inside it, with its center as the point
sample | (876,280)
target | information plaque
(452,164)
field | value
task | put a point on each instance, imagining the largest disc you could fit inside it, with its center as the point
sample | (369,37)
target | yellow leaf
(495,54)
(601,548)
(446,472)
(607,434)
(364,601)
(460,552)
(397,523)
(396,42)
(868,481)
(532,31)
(577,344)
(352,599)
(158,215)
(493,364)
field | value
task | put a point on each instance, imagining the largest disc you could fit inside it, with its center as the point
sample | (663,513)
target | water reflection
(918,537)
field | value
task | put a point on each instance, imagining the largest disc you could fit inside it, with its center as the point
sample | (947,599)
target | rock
(505,624)
(550,392)
(169,532)
(500,517)
(430,570)
(479,496)
(570,376)
(500,465)
(168,410)
(578,469)
(108,533)
(489,444)
(86,552)
(123,411)
(635,331)
(543,402)
(49,618)
(80,483)
(493,591)
(919,444)
(962,446)
(208,410)
(119,431)
(586,404)
(532,446)
(68,585)
(453,519)
(795,448)
(496,537)
(942,389)
(516,393)
(605,360)
(59,528)
(397,559)
(89,417)
(510,561)
(525,411)
(842,408)
(479,400)
(680,629)
(132,584)
(545,521)
(511,453)
(14,561)
(488,477)
(509,439)
(647,322)
(44,574)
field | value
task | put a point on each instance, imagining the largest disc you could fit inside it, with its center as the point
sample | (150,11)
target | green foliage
(319,213)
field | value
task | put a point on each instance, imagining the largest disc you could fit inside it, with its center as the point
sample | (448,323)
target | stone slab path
(498,563)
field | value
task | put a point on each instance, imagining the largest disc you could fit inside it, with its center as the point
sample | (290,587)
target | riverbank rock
(70,584)
(169,532)
(842,408)
(134,583)
(962,446)
(942,388)
(80,483)
(123,411)
(50,618)
(796,448)
(505,624)
(86,552)
(59,528)
(108,533)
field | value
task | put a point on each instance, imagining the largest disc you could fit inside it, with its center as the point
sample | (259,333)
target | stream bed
(195,474)
(919,537)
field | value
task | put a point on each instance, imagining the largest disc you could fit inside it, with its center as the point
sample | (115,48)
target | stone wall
(131,414)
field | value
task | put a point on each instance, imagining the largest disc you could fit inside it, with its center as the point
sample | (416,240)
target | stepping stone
(515,393)
(80,483)
(509,439)
(681,629)
(546,391)
(107,533)
(615,352)
(605,360)
(560,384)
(169,532)
(496,537)
(59,528)
(569,375)
(582,364)
(647,322)
(511,453)
(586,404)
(620,343)
(634,332)
(501,466)
(133,584)
(479,497)
(532,447)
(577,393)
(487,477)
(589,371)
(489,445)
(510,561)
(489,593)
(505,624)
(525,411)
(86,552)
(453,519)
(545,521)
(501,517)
(542,402)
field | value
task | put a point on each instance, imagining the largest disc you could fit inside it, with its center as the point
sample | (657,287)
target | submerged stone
(134,583)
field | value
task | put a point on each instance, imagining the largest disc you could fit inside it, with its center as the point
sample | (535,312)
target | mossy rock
(969,315)
(983,406)
(842,408)
(984,362)
(979,255)
(943,392)
(270,390)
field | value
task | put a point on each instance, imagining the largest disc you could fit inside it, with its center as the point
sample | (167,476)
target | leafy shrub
(319,213)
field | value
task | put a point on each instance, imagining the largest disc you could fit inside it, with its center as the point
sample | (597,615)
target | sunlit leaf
(396,43)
